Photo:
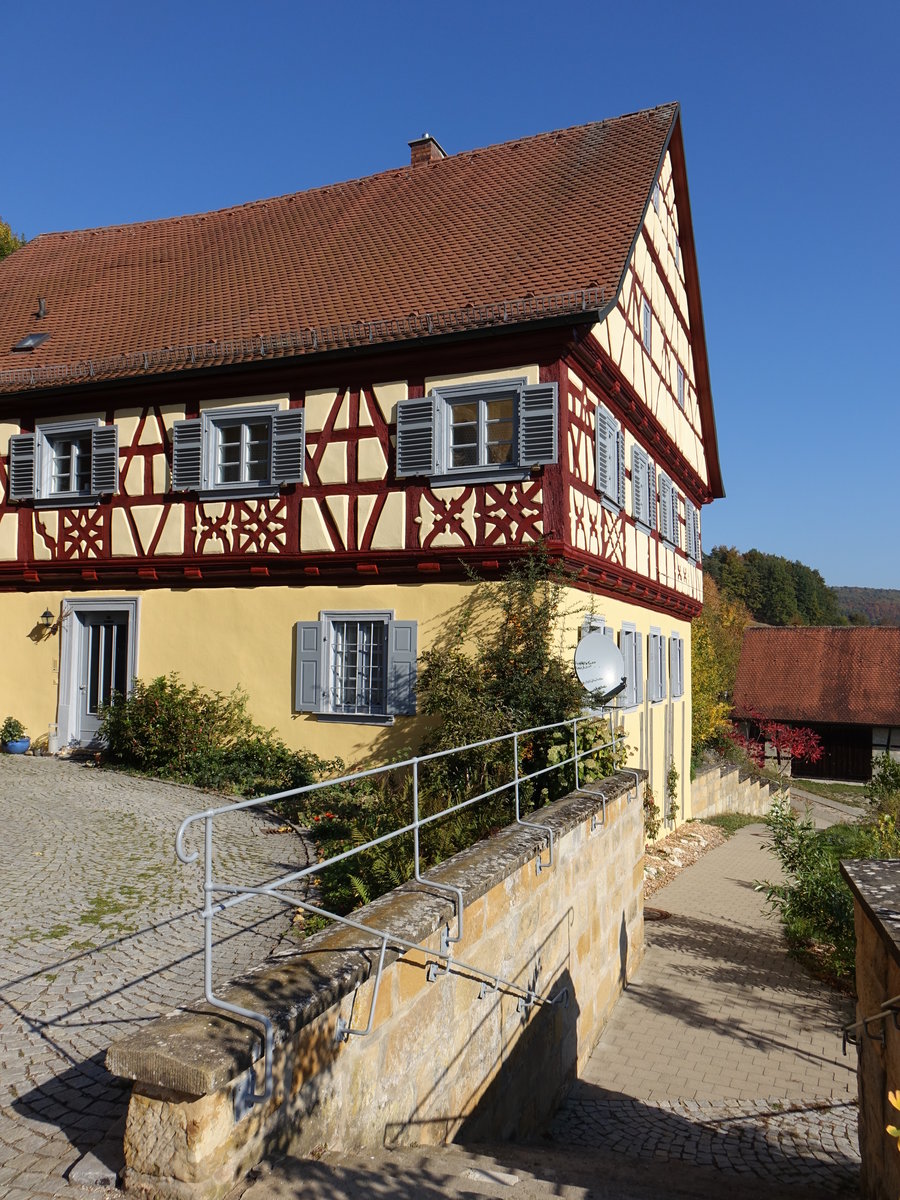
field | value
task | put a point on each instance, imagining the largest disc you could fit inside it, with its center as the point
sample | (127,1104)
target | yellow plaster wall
(530,373)
(650,748)
(29,665)
(228,637)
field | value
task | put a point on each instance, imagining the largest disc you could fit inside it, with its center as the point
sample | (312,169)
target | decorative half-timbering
(288,487)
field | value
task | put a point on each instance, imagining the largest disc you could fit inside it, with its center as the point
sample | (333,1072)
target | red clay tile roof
(829,675)
(545,216)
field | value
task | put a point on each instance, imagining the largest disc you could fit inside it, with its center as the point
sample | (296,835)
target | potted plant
(12,736)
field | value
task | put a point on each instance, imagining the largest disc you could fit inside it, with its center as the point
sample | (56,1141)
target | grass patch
(845,793)
(731,822)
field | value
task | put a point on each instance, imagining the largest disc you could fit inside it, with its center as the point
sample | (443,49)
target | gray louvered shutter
(105,460)
(653,666)
(693,515)
(401,690)
(604,433)
(676,529)
(308,683)
(187,456)
(665,507)
(288,446)
(538,424)
(620,468)
(639,668)
(21,466)
(420,436)
(651,487)
(639,484)
(661,682)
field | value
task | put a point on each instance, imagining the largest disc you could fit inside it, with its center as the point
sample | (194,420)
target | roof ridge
(406,168)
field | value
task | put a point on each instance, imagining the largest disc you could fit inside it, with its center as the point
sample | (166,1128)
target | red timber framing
(258,542)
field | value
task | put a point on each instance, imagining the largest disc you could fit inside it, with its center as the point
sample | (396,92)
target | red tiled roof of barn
(823,675)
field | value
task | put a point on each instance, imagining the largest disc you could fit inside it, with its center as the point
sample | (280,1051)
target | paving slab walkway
(721,1072)
(100,933)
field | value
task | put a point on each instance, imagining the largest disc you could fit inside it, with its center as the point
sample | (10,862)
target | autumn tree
(9,241)
(716,638)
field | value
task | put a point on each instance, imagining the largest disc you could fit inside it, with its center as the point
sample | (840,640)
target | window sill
(75,500)
(269,492)
(353,719)
(610,505)
(479,475)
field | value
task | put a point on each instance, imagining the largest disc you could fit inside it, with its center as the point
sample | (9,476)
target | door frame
(71,647)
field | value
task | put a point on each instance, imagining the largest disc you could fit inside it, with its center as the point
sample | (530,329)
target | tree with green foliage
(9,241)
(775,590)
(716,639)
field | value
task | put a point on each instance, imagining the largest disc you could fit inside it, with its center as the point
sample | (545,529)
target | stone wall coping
(743,773)
(875,883)
(198,1050)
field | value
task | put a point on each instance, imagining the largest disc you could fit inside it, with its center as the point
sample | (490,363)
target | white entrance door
(98,657)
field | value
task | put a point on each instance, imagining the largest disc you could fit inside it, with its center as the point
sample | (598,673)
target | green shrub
(12,730)
(496,670)
(884,789)
(814,902)
(171,730)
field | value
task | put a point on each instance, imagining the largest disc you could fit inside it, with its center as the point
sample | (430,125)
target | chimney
(425,149)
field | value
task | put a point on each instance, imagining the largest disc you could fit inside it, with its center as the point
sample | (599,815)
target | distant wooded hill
(776,590)
(880,606)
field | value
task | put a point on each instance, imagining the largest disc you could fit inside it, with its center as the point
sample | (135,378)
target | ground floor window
(356,666)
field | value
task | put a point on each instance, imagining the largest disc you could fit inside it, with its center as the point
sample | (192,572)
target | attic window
(31,341)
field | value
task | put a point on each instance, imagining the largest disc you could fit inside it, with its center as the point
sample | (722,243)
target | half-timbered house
(262,446)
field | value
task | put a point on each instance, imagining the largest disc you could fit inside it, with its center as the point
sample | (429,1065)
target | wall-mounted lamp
(47,621)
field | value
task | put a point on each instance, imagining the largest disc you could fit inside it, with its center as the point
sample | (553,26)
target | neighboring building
(262,446)
(843,683)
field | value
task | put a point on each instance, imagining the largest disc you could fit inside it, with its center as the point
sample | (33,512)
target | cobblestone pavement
(100,933)
(722,1050)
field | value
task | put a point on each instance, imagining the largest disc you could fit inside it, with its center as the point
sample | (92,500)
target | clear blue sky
(120,113)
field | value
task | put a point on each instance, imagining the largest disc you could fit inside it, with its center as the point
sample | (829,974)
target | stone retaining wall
(876,887)
(721,788)
(441,1062)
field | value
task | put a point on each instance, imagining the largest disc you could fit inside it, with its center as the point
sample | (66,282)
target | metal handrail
(222,896)
(889,1008)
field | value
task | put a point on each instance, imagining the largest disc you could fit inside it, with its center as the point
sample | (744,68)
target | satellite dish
(600,666)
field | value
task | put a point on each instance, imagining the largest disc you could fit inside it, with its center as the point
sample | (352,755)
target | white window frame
(646,325)
(656,666)
(630,644)
(676,664)
(35,453)
(316,644)
(679,386)
(196,444)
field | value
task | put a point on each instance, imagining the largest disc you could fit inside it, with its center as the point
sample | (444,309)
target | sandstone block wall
(721,788)
(442,1060)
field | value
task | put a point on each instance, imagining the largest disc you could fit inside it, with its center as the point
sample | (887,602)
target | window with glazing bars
(358,655)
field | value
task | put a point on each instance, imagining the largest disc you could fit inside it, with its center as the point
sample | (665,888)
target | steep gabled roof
(829,675)
(530,230)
